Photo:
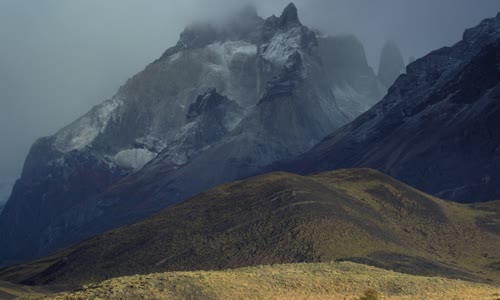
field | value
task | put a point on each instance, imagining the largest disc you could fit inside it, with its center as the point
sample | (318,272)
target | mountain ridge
(435,130)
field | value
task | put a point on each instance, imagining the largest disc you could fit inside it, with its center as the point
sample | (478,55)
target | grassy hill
(295,281)
(349,215)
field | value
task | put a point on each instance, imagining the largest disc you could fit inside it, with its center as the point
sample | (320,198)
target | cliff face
(437,129)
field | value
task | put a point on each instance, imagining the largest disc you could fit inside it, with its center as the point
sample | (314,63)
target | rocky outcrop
(211,118)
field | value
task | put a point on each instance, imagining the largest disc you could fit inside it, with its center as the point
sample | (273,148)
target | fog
(58,58)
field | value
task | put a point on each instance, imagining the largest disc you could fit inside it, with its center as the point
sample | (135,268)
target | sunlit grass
(293,281)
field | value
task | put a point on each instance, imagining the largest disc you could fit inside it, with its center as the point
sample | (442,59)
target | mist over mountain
(392,64)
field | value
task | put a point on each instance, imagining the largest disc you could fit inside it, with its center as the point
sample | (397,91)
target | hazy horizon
(59,58)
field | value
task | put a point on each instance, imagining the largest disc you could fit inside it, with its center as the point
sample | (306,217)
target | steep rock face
(297,110)
(392,64)
(354,83)
(163,137)
(36,211)
(437,129)
(210,118)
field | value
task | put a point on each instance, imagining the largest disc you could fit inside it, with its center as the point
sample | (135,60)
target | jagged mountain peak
(392,63)
(356,86)
(284,36)
(290,16)
(243,25)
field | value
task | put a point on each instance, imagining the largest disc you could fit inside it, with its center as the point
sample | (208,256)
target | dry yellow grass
(294,281)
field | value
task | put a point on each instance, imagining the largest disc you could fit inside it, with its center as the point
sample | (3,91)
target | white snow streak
(133,158)
(282,46)
(83,132)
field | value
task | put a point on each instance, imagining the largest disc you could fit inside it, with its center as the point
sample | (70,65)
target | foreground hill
(437,128)
(356,215)
(295,281)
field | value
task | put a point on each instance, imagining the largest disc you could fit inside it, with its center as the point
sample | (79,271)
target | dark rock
(290,16)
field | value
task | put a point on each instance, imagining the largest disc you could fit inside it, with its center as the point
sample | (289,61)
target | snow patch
(175,57)
(227,52)
(282,46)
(133,158)
(84,131)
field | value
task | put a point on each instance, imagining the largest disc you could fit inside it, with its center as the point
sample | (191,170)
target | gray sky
(58,58)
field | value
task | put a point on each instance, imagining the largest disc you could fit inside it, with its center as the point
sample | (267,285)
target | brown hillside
(355,215)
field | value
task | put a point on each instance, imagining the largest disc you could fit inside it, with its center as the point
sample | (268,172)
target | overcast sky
(58,58)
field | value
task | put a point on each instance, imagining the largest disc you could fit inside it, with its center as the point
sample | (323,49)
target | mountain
(223,103)
(436,130)
(349,215)
(356,86)
(392,64)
